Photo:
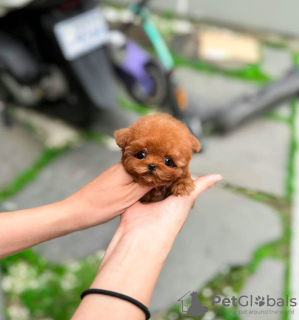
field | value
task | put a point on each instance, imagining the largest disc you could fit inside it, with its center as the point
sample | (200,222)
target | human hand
(104,198)
(135,256)
(166,218)
(159,223)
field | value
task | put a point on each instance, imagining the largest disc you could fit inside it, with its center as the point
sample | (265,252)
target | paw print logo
(259,301)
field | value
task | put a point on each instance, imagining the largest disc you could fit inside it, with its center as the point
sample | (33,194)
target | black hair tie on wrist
(120,296)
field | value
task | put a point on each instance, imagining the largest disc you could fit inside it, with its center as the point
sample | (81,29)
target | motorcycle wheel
(159,93)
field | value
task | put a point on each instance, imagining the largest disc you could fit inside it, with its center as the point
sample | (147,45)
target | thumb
(204,183)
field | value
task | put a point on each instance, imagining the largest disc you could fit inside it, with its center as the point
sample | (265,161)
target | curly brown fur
(158,137)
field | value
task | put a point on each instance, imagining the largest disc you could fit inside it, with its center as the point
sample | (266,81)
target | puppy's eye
(140,155)
(169,162)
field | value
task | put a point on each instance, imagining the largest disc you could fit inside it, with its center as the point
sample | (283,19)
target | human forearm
(131,266)
(33,226)
(101,200)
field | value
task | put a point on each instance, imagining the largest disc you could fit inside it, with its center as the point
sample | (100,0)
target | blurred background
(74,71)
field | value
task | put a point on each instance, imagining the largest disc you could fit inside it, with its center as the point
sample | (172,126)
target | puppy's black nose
(152,167)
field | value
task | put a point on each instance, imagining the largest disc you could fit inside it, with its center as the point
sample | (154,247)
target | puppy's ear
(122,137)
(195,144)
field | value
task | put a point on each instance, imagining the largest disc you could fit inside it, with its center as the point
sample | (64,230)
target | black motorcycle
(53,57)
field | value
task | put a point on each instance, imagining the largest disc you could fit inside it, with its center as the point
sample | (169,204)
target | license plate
(81,34)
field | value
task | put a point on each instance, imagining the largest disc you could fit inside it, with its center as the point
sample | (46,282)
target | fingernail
(217,177)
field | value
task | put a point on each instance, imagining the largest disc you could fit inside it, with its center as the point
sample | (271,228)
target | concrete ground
(231,225)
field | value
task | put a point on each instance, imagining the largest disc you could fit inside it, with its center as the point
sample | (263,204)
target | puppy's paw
(182,187)
(155,195)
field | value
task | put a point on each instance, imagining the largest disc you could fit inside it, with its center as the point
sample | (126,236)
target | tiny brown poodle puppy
(156,151)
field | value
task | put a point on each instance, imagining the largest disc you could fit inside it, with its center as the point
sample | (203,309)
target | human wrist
(73,214)
(132,263)
(81,215)
(63,217)
(154,241)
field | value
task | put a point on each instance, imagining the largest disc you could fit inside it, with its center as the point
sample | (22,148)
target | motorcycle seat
(17,61)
